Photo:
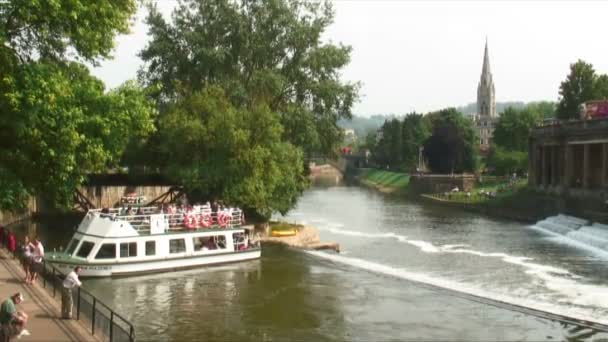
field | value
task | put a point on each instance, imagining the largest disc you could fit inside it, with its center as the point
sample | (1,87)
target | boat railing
(104,322)
(178,221)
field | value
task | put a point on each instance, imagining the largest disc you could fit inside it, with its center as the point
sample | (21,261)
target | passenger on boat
(129,211)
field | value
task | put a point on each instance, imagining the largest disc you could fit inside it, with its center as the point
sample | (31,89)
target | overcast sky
(425,56)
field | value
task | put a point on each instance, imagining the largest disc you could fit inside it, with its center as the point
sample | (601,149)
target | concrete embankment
(306,237)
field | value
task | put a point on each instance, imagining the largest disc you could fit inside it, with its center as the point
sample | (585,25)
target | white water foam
(567,240)
(559,280)
(575,312)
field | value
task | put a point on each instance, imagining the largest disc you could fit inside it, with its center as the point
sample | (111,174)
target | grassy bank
(384,181)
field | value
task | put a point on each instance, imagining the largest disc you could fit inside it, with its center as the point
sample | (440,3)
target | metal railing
(104,322)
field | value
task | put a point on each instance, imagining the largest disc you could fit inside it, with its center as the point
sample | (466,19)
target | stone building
(570,159)
(486,117)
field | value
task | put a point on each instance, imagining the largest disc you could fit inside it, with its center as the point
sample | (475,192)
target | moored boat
(114,242)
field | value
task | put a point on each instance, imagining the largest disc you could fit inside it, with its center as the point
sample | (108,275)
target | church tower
(486,104)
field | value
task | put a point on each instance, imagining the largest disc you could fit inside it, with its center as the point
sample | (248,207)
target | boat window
(72,246)
(177,246)
(206,243)
(107,251)
(240,241)
(150,247)
(128,249)
(85,249)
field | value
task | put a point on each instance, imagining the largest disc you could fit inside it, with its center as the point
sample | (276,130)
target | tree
(513,127)
(578,87)
(452,146)
(415,131)
(56,123)
(544,109)
(218,150)
(266,51)
(59,125)
(506,162)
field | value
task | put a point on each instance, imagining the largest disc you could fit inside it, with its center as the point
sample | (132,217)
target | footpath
(43,310)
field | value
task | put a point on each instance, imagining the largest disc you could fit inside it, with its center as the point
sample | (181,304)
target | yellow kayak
(287,232)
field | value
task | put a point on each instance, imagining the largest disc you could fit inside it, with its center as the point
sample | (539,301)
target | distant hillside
(363,125)
(471,108)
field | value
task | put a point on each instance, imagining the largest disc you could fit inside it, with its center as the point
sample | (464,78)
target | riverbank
(387,182)
(515,202)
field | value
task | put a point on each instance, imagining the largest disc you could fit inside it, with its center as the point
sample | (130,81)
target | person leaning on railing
(70,282)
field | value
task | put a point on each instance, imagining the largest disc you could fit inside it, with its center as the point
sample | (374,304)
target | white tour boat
(116,242)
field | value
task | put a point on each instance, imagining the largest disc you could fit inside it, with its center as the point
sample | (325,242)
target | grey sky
(424,56)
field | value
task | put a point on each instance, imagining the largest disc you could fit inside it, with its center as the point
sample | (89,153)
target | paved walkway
(44,311)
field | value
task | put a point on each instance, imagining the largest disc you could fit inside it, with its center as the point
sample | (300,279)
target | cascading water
(577,230)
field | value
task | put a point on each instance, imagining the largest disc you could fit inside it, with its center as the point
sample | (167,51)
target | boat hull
(118,269)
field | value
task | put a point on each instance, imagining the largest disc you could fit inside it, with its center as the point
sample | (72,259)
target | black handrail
(56,281)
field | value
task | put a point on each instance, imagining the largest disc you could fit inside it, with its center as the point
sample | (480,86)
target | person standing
(70,282)
(37,255)
(26,260)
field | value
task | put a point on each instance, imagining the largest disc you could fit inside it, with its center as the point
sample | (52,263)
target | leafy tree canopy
(581,85)
(56,122)
(452,146)
(33,30)
(264,51)
(235,154)
(513,127)
(506,162)
(57,125)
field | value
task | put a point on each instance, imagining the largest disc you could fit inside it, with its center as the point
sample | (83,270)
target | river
(398,277)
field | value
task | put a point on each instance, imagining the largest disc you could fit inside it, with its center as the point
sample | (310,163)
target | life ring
(189,221)
(205,220)
(223,219)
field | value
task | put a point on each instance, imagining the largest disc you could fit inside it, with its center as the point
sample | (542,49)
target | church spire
(486,103)
(485,71)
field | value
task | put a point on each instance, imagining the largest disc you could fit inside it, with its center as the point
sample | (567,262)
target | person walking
(70,282)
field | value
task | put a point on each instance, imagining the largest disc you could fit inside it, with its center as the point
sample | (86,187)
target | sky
(427,55)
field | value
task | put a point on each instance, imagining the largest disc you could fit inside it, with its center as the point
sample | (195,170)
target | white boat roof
(105,226)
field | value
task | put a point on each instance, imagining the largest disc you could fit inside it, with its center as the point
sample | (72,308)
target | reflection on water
(291,295)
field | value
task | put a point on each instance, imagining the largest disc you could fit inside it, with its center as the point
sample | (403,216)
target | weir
(581,231)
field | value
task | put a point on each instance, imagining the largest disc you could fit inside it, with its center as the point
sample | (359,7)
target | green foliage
(266,51)
(453,145)
(58,125)
(543,109)
(581,85)
(386,178)
(218,150)
(398,147)
(506,162)
(513,127)
(46,29)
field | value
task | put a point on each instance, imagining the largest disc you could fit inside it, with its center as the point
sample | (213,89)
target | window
(200,242)
(107,251)
(128,249)
(72,246)
(150,248)
(177,246)
(85,249)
